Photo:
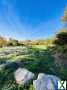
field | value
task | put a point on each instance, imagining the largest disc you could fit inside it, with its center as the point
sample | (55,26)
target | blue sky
(30,19)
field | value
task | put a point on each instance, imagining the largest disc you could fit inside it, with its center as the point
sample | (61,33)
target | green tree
(13,42)
(61,37)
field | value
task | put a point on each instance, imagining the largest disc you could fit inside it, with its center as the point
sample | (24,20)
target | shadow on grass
(42,61)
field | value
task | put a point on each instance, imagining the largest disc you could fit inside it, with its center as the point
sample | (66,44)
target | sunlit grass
(39,46)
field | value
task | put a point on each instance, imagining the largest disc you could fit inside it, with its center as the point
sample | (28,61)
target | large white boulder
(23,76)
(45,82)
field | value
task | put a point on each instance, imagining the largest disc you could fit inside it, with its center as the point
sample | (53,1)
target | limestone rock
(45,82)
(23,76)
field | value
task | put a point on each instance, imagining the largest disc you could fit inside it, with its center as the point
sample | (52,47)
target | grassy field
(36,59)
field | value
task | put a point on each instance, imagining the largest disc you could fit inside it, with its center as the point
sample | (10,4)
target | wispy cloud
(12,26)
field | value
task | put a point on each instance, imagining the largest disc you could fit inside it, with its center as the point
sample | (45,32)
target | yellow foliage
(3,41)
(64,18)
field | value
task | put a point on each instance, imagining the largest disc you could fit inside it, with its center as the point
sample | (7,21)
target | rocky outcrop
(45,82)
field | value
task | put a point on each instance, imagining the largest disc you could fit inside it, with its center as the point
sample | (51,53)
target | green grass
(38,60)
(39,46)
